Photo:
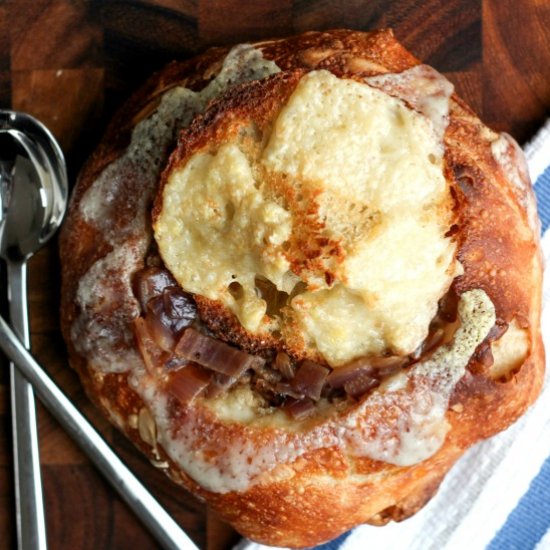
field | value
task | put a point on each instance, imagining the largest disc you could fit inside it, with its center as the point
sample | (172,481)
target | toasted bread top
(334,195)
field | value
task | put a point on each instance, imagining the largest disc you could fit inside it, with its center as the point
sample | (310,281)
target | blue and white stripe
(497,497)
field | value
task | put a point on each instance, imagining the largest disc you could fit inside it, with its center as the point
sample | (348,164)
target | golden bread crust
(498,247)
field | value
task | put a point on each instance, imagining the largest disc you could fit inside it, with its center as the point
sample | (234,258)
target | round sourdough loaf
(303,278)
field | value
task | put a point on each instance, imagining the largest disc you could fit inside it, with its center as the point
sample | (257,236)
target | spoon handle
(31,525)
(167,532)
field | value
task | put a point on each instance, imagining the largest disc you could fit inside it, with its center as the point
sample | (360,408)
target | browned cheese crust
(498,247)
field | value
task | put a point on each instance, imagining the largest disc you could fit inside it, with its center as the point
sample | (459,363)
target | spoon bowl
(33,197)
(35,207)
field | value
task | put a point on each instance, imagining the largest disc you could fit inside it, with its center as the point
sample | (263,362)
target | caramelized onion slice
(284,365)
(151,282)
(162,335)
(310,379)
(213,354)
(179,306)
(375,367)
(284,388)
(384,366)
(361,384)
(299,409)
(159,324)
(342,375)
(155,307)
(152,355)
(187,383)
(173,310)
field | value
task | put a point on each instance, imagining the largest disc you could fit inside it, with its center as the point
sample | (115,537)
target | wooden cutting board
(72,63)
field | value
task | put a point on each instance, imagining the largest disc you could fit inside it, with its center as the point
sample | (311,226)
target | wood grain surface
(71,63)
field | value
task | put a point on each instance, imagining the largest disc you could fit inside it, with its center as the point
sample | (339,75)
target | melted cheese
(235,463)
(402,422)
(369,171)
(422,87)
(241,405)
(117,204)
(217,227)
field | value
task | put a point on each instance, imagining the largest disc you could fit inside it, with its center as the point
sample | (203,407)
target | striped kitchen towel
(497,497)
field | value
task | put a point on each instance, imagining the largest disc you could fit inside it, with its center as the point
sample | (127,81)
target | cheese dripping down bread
(336,293)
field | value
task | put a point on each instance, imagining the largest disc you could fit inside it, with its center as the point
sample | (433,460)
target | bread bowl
(303,278)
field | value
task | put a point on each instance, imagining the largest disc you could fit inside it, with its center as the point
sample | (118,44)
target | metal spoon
(167,532)
(37,181)
(17,134)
